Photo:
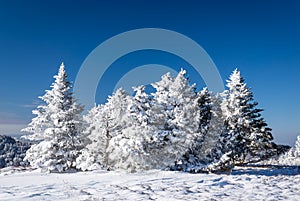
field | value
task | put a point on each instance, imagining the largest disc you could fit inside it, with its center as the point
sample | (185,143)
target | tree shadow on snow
(272,170)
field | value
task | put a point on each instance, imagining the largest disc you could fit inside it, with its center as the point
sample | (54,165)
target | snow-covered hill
(243,184)
(12,151)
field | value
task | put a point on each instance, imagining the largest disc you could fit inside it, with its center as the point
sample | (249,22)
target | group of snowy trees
(174,127)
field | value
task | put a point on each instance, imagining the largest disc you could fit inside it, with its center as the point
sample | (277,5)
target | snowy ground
(243,184)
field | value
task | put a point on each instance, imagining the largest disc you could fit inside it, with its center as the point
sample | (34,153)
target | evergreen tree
(297,148)
(128,150)
(294,152)
(247,133)
(195,153)
(57,127)
(140,105)
(261,146)
(174,100)
(205,106)
(104,123)
(210,148)
(91,156)
(292,157)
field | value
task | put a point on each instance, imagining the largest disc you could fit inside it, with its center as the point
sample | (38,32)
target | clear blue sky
(261,38)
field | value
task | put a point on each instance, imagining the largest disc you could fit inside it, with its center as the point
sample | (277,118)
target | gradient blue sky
(261,38)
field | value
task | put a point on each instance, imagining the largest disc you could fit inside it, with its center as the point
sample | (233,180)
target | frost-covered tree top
(236,99)
(60,90)
(181,86)
(117,105)
(164,83)
(59,98)
(238,95)
(235,80)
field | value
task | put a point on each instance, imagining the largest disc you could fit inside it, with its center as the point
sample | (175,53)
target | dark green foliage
(12,152)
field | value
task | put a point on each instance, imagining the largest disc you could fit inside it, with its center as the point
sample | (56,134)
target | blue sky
(261,38)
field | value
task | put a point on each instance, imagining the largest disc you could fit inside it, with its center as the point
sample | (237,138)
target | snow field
(243,184)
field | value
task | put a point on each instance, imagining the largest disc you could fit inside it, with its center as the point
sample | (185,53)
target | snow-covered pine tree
(186,110)
(116,108)
(140,105)
(236,111)
(57,128)
(292,157)
(261,146)
(176,105)
(195,154)
(210,148)
(297,149)
(105,123)
(246,130)
(91,156)
(205,108)
(109,123)
(294,152)
(127,150)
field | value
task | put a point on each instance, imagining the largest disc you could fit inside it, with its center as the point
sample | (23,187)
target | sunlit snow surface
(243,184)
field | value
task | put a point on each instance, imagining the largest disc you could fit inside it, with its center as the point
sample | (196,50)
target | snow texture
(243,184)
